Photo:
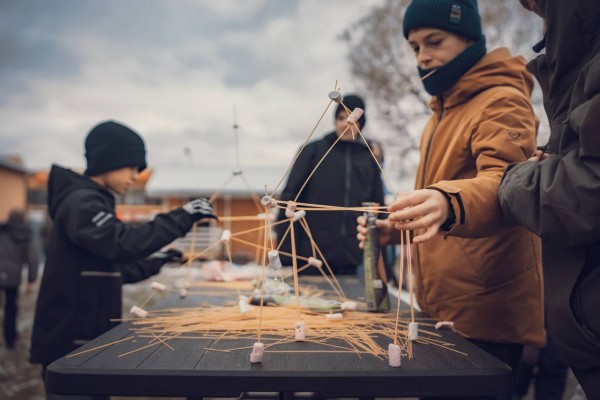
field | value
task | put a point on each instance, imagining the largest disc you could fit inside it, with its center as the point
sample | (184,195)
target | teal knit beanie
(458,16)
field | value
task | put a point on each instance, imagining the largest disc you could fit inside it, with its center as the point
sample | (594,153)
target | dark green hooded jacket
(559,198)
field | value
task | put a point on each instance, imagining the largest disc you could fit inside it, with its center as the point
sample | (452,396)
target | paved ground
(19,380)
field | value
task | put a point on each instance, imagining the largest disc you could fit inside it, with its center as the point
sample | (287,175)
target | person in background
(471,266)
(556,193)
(91,253)
(347,177)
(16,250)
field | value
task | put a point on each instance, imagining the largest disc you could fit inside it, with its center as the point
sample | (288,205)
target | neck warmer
(447,75)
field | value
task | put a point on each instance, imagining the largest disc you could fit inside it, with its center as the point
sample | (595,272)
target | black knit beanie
(111,145)
(353,101)
(458,16)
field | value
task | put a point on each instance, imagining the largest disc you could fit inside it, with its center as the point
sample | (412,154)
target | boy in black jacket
(347,177)
(91,252)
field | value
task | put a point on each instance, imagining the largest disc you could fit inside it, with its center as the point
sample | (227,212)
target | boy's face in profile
(342,125)
(434,47)
(119,180)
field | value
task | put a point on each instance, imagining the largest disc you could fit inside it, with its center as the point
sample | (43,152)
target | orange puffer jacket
(483,274)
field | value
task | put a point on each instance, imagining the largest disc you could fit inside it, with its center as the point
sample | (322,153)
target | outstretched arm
(558,198)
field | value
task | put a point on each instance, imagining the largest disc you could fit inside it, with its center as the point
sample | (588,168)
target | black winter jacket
(91,254)
(559,197)
(347,177)
(17,249)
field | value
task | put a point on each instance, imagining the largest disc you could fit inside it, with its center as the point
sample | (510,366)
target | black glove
(171,255)
(200,208)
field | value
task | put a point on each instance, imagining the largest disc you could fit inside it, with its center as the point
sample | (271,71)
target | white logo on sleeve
(101,218)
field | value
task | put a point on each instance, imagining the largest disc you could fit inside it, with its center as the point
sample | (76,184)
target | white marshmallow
(413,331)
(183,292)
(274,259)
(335,96)
(138,312)
(336,315)
(244,307)
(349,305)
(300,335)
(290,209)
(444,325)
(226,235)
(355,115)
(299,214)
(257,352)
(268,200)
(158,286)
(315,262)
(394,355)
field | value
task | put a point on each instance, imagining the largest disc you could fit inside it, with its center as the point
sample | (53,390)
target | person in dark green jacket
(556,194)
(91,252)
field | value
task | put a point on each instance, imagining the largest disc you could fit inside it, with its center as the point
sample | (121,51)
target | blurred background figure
(16,250)
(347,177)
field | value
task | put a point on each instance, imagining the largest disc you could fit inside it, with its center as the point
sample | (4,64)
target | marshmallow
(355,115)
(336,315)
(138,312)
(226,235)
(315,262)
(257,352)
(290,210)
(444,325)
(394,355)
(300,335)
(274,259)
(349,305)
(158,286)
(268,200)
(299,214)
(244,308)
(335,96)
(413,331)
(183,292)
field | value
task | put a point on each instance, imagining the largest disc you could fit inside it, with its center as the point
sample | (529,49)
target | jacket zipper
(441,104)
(425,161)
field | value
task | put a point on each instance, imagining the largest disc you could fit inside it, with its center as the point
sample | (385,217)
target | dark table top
(189,370)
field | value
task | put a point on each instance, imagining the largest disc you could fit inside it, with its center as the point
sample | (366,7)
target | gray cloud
(172,70)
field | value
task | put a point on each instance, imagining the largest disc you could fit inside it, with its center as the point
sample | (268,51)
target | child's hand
(200,208)
(420,209)
(170,255)
(383,230)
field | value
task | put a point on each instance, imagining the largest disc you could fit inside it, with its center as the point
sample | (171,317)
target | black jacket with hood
(348,176)
(559,198)
(91,254)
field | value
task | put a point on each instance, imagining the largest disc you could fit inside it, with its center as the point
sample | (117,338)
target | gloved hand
(200,208)
(170,255)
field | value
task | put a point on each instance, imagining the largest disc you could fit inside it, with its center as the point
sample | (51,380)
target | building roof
(11,164)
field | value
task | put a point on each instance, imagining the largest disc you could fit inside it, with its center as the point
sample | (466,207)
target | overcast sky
(173,70)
